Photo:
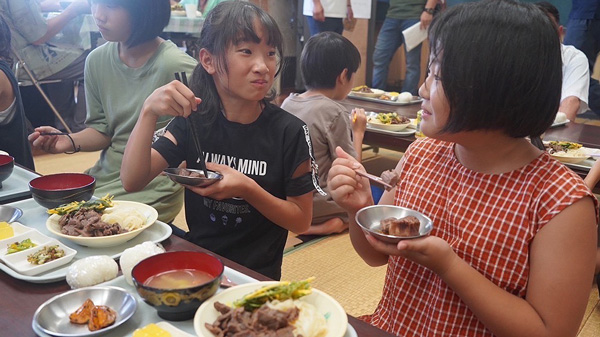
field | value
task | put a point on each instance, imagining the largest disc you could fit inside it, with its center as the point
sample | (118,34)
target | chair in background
(21,64)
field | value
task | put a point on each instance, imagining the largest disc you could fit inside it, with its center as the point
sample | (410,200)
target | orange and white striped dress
(488,219)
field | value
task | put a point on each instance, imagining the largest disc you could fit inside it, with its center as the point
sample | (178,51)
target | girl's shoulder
(426,145)
(102,52)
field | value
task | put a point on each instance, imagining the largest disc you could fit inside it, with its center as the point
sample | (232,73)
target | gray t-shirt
(329,126)
(27,25)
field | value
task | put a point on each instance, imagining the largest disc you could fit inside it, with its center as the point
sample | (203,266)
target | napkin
(414,35)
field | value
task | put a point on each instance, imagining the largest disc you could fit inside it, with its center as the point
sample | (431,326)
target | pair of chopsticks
(374,178)
(53,133)
(183,79)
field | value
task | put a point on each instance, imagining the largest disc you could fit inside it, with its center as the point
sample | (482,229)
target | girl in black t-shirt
(262,151)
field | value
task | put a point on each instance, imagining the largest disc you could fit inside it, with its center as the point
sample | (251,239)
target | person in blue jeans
(583,33)
(327,15)
(401,15)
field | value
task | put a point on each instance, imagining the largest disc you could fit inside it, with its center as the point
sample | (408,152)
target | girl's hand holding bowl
(234,183)
(430,251)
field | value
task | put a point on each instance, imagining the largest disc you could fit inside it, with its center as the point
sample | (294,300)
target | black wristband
(75,148)
(429,10)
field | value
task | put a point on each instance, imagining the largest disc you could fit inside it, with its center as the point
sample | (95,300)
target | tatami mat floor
(339,271)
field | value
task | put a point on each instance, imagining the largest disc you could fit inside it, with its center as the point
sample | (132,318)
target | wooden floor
(302,255)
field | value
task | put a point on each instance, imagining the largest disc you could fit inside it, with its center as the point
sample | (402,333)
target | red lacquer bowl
(54,190)
(177,304)
(7,163)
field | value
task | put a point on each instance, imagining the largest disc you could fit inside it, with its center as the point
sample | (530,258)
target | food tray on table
(35,216)
(402,133)
(17,185)
(145,314)
(582,159)
(415,100)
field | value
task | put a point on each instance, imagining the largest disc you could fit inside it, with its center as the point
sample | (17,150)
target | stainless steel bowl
(369,218)
(9,213)
(174,174)
(52,317)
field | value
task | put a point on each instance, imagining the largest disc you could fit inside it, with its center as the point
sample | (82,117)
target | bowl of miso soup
(176,283)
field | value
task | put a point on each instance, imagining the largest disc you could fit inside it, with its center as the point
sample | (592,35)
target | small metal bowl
(52,317)
(176,176)
(9,213)
(369,218)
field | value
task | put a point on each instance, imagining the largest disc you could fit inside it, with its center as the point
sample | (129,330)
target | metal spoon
(226,282)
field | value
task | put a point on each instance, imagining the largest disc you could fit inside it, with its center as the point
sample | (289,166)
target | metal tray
(145,314)
(384,101)
(17,185)
(35,216)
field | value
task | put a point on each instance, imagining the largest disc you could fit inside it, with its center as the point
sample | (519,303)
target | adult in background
(576,75)
(31,33)
(583,33)
(327,15)
(401,15)
(13,130)
(119,76)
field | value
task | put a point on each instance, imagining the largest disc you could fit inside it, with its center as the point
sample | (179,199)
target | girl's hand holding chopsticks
(173,99)
(50,140)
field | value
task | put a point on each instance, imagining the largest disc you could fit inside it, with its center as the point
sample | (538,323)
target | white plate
(403,133)
(375,99)
(559,123)
(18,229)
(388,127)
(178,13)
(18,261)
(570,158)
(36,237)
(112,240)
(337,320)
(375,93)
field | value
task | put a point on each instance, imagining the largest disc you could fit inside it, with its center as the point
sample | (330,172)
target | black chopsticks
(183,79)
(54,133)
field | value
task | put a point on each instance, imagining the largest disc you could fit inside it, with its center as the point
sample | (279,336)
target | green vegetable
(46,254)
(19,246)
(97,205)
(279,291)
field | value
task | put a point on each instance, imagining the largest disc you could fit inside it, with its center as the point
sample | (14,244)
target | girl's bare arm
(561,273)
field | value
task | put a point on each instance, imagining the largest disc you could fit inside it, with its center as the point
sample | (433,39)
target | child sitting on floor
(328,64)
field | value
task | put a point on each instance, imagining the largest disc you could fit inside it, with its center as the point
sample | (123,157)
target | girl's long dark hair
(230,22)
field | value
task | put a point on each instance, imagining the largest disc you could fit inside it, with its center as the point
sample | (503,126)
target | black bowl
(181,303)
(7,163)
(54,190)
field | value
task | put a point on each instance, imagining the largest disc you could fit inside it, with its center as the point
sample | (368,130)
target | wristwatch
(429,10)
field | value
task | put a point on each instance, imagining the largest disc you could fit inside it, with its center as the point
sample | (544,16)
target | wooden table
(21,299)
(587,135)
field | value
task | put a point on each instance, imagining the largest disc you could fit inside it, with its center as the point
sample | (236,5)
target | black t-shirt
(268,150)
